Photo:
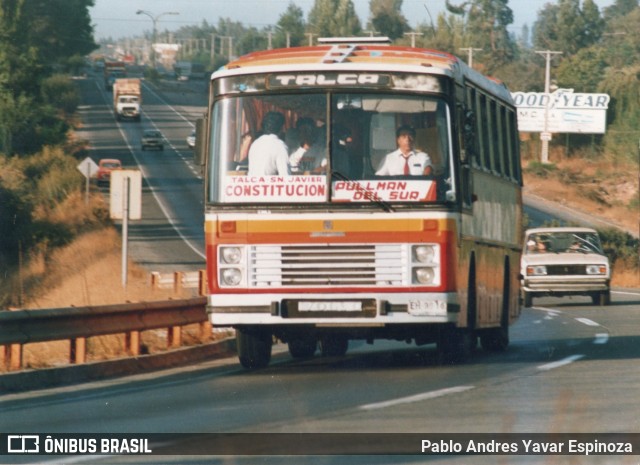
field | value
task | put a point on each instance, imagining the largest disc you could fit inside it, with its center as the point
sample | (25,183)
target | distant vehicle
(127,99)
(105,167)
(191,140)
(113,70)
(152,138)
(182,70)
(564,261)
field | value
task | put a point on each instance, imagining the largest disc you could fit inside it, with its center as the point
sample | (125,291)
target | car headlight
(231,255)
(231,276)
(596,269)
(424,253)
(425,275)
(537,270)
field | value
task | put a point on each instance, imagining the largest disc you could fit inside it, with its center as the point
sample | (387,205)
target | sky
(117,18)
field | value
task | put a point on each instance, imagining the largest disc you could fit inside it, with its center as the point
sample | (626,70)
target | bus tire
(254,347)
(302,347)
(332,345)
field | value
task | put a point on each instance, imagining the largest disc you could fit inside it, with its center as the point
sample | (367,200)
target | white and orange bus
(310,241)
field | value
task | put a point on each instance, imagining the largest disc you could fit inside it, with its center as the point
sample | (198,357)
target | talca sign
(564,111)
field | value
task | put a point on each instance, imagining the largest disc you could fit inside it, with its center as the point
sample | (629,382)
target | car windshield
(152,134)
(563,242)
(111,164)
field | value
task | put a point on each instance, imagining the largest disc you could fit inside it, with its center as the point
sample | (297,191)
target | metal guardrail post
(177,282)
(13,357)
(78,350)
(202,282)
(132,343)
(174,336)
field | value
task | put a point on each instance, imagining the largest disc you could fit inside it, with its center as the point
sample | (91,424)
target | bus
(311,241)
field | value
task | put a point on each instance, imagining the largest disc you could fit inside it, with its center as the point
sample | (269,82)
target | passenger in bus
(405,160)
(306,142)
(268,154)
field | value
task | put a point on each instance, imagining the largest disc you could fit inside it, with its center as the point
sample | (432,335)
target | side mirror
(199,151)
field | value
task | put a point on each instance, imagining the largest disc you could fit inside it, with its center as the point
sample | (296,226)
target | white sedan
(564,261)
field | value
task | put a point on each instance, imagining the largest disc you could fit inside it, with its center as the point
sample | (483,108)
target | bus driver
(405,160)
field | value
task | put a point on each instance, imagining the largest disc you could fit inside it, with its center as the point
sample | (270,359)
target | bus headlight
(425,275)
(424,253)
(231,255)
(231,276)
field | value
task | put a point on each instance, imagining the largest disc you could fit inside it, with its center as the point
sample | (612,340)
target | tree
(567,28)
(486,28)
(291,22)
(387,18)
(334,18)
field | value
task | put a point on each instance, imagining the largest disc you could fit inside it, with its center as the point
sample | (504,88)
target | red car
(105,166)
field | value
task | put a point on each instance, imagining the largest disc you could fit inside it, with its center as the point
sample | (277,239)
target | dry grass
(89,273)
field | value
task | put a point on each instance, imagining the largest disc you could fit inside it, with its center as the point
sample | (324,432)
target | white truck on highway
(127,99)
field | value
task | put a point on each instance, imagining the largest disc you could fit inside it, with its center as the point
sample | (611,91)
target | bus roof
(360,53)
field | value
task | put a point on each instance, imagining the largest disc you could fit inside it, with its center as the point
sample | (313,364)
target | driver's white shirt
(393,163)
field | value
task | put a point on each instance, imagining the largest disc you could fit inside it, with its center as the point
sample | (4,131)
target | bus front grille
(331,265)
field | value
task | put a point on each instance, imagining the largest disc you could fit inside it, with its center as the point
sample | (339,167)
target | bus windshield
(330,147)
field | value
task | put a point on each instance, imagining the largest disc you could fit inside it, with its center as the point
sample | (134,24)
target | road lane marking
(416,398)
(560,363)
(601,338)
(587,321)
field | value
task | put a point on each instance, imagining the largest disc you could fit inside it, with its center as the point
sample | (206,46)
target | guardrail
(76,324)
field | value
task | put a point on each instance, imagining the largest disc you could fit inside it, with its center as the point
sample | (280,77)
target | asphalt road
(571,368)
(170,235)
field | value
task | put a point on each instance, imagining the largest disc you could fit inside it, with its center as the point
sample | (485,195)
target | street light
(155,19)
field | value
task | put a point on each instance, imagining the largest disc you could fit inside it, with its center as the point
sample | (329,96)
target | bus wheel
(303,347)
(254,348)
(334,346)
(456,344)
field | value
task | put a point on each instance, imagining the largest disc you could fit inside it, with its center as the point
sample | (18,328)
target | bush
(61,93)
(620,247)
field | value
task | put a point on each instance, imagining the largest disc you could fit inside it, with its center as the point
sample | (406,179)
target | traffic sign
(88,167)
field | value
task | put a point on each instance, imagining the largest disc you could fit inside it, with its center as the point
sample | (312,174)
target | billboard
(566,112)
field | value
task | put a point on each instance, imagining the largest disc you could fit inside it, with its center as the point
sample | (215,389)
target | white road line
(415,398)
(625,292)
(601,338)
(587,321)
(560,363)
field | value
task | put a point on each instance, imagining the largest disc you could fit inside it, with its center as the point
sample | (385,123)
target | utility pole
(545,137)
(154,19)
(310,36)
(413,37)
(470,51)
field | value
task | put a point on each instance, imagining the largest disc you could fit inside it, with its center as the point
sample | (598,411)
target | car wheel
(527,299)
(601,298)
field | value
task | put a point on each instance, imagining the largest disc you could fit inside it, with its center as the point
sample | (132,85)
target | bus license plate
(427,307)
(318,306)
